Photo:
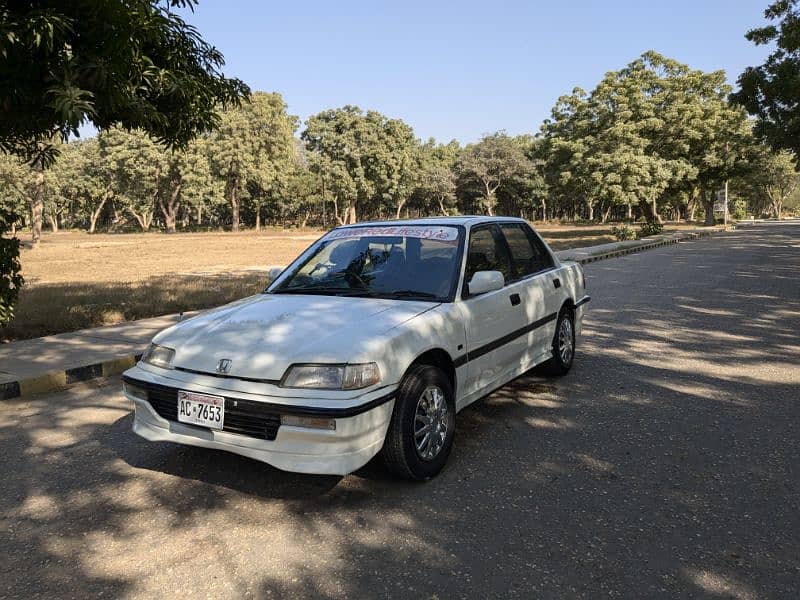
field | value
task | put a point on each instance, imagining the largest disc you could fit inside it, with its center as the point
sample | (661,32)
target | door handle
(556,283)
(515,299)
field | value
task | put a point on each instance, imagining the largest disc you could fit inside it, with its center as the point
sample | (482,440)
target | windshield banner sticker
(443,234)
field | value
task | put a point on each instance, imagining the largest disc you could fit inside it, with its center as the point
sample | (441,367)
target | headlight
(159,356)
(332,377)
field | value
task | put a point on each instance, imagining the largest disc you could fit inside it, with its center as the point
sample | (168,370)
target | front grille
(244,417)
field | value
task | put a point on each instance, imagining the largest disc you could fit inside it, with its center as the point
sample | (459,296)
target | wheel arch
(438,357)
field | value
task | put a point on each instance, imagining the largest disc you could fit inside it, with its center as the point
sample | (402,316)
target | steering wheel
(349,273)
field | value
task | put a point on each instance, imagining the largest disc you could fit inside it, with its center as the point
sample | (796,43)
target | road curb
(624,248)
(60,379)
(54,381)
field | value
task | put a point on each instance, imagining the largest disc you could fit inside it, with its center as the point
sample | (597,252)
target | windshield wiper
(410,294)
(325,291)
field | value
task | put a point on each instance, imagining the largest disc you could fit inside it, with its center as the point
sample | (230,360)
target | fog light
(308,422)
(134,390)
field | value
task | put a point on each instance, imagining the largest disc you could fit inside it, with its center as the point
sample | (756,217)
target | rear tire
(563,344)
(422,428)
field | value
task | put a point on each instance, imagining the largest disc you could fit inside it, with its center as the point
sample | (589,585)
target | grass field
(75,280)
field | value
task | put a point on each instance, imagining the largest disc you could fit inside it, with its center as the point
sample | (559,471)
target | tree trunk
(339,219)
(258,217)
(777,207)
(400,205)
(590,206)
(234,199)
(306,217)
(350,215)
(489,198)
(53,223)
(442,209)
(95,214)
(37,206)
(170,208)
(708,206)
(656,216)
(145,219)
(543,202)
(629,213)
(691,207)
(199,214)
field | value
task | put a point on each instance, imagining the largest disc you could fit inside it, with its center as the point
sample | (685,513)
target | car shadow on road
(218,468)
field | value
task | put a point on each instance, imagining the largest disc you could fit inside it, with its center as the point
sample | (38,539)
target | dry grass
(77,257)
(75,280)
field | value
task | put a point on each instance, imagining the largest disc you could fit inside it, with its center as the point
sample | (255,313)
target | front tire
(422,428)
(563,344)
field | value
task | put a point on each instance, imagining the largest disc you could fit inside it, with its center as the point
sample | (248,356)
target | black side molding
(486,348)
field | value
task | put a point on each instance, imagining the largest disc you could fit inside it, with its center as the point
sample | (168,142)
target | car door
(491,320)
(536,283)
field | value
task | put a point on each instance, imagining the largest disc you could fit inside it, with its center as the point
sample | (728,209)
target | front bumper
(360,429)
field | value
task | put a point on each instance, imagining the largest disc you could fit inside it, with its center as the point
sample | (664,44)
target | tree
(526,194)
(772,180)
(134,162)
(136,64)
(771,91)
(651,133)
(435,183)
(251,148)
(26,183)
(10,279)
(496,159)
(367,160)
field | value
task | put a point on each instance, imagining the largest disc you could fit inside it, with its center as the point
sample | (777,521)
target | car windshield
(414,262)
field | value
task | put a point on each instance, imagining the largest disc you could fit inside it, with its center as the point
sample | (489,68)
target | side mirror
(485,281)
(273,273)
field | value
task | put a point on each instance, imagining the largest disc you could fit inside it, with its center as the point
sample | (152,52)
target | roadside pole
(725,211)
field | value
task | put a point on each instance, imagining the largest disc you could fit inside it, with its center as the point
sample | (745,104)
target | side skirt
(462,403)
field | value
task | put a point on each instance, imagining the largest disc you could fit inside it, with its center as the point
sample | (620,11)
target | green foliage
(623,233)
(648,134)
(770,91)
(739,210)
(496,160)
(649,228)
(10,278)
(136,64)
(770,181)
(366,160)
(654,138)
(252,150)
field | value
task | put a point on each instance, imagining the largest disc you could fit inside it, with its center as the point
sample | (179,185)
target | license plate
(201,409)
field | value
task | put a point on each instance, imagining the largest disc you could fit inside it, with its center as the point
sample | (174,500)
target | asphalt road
(666,464)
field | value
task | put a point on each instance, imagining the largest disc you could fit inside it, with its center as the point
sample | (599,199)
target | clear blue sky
(461,69)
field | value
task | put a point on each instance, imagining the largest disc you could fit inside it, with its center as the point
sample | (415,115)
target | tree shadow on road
(663,465)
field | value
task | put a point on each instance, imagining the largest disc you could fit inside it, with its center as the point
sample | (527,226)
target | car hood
(263,335)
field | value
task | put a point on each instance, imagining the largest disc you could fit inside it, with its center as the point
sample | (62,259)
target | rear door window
(528,253)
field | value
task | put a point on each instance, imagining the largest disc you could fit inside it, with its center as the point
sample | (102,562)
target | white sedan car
(371,341)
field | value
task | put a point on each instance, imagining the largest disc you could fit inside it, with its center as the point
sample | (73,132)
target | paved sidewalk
(43,364)
(46,364)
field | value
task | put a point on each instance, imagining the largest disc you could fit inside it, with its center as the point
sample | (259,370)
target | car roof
(466,220)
